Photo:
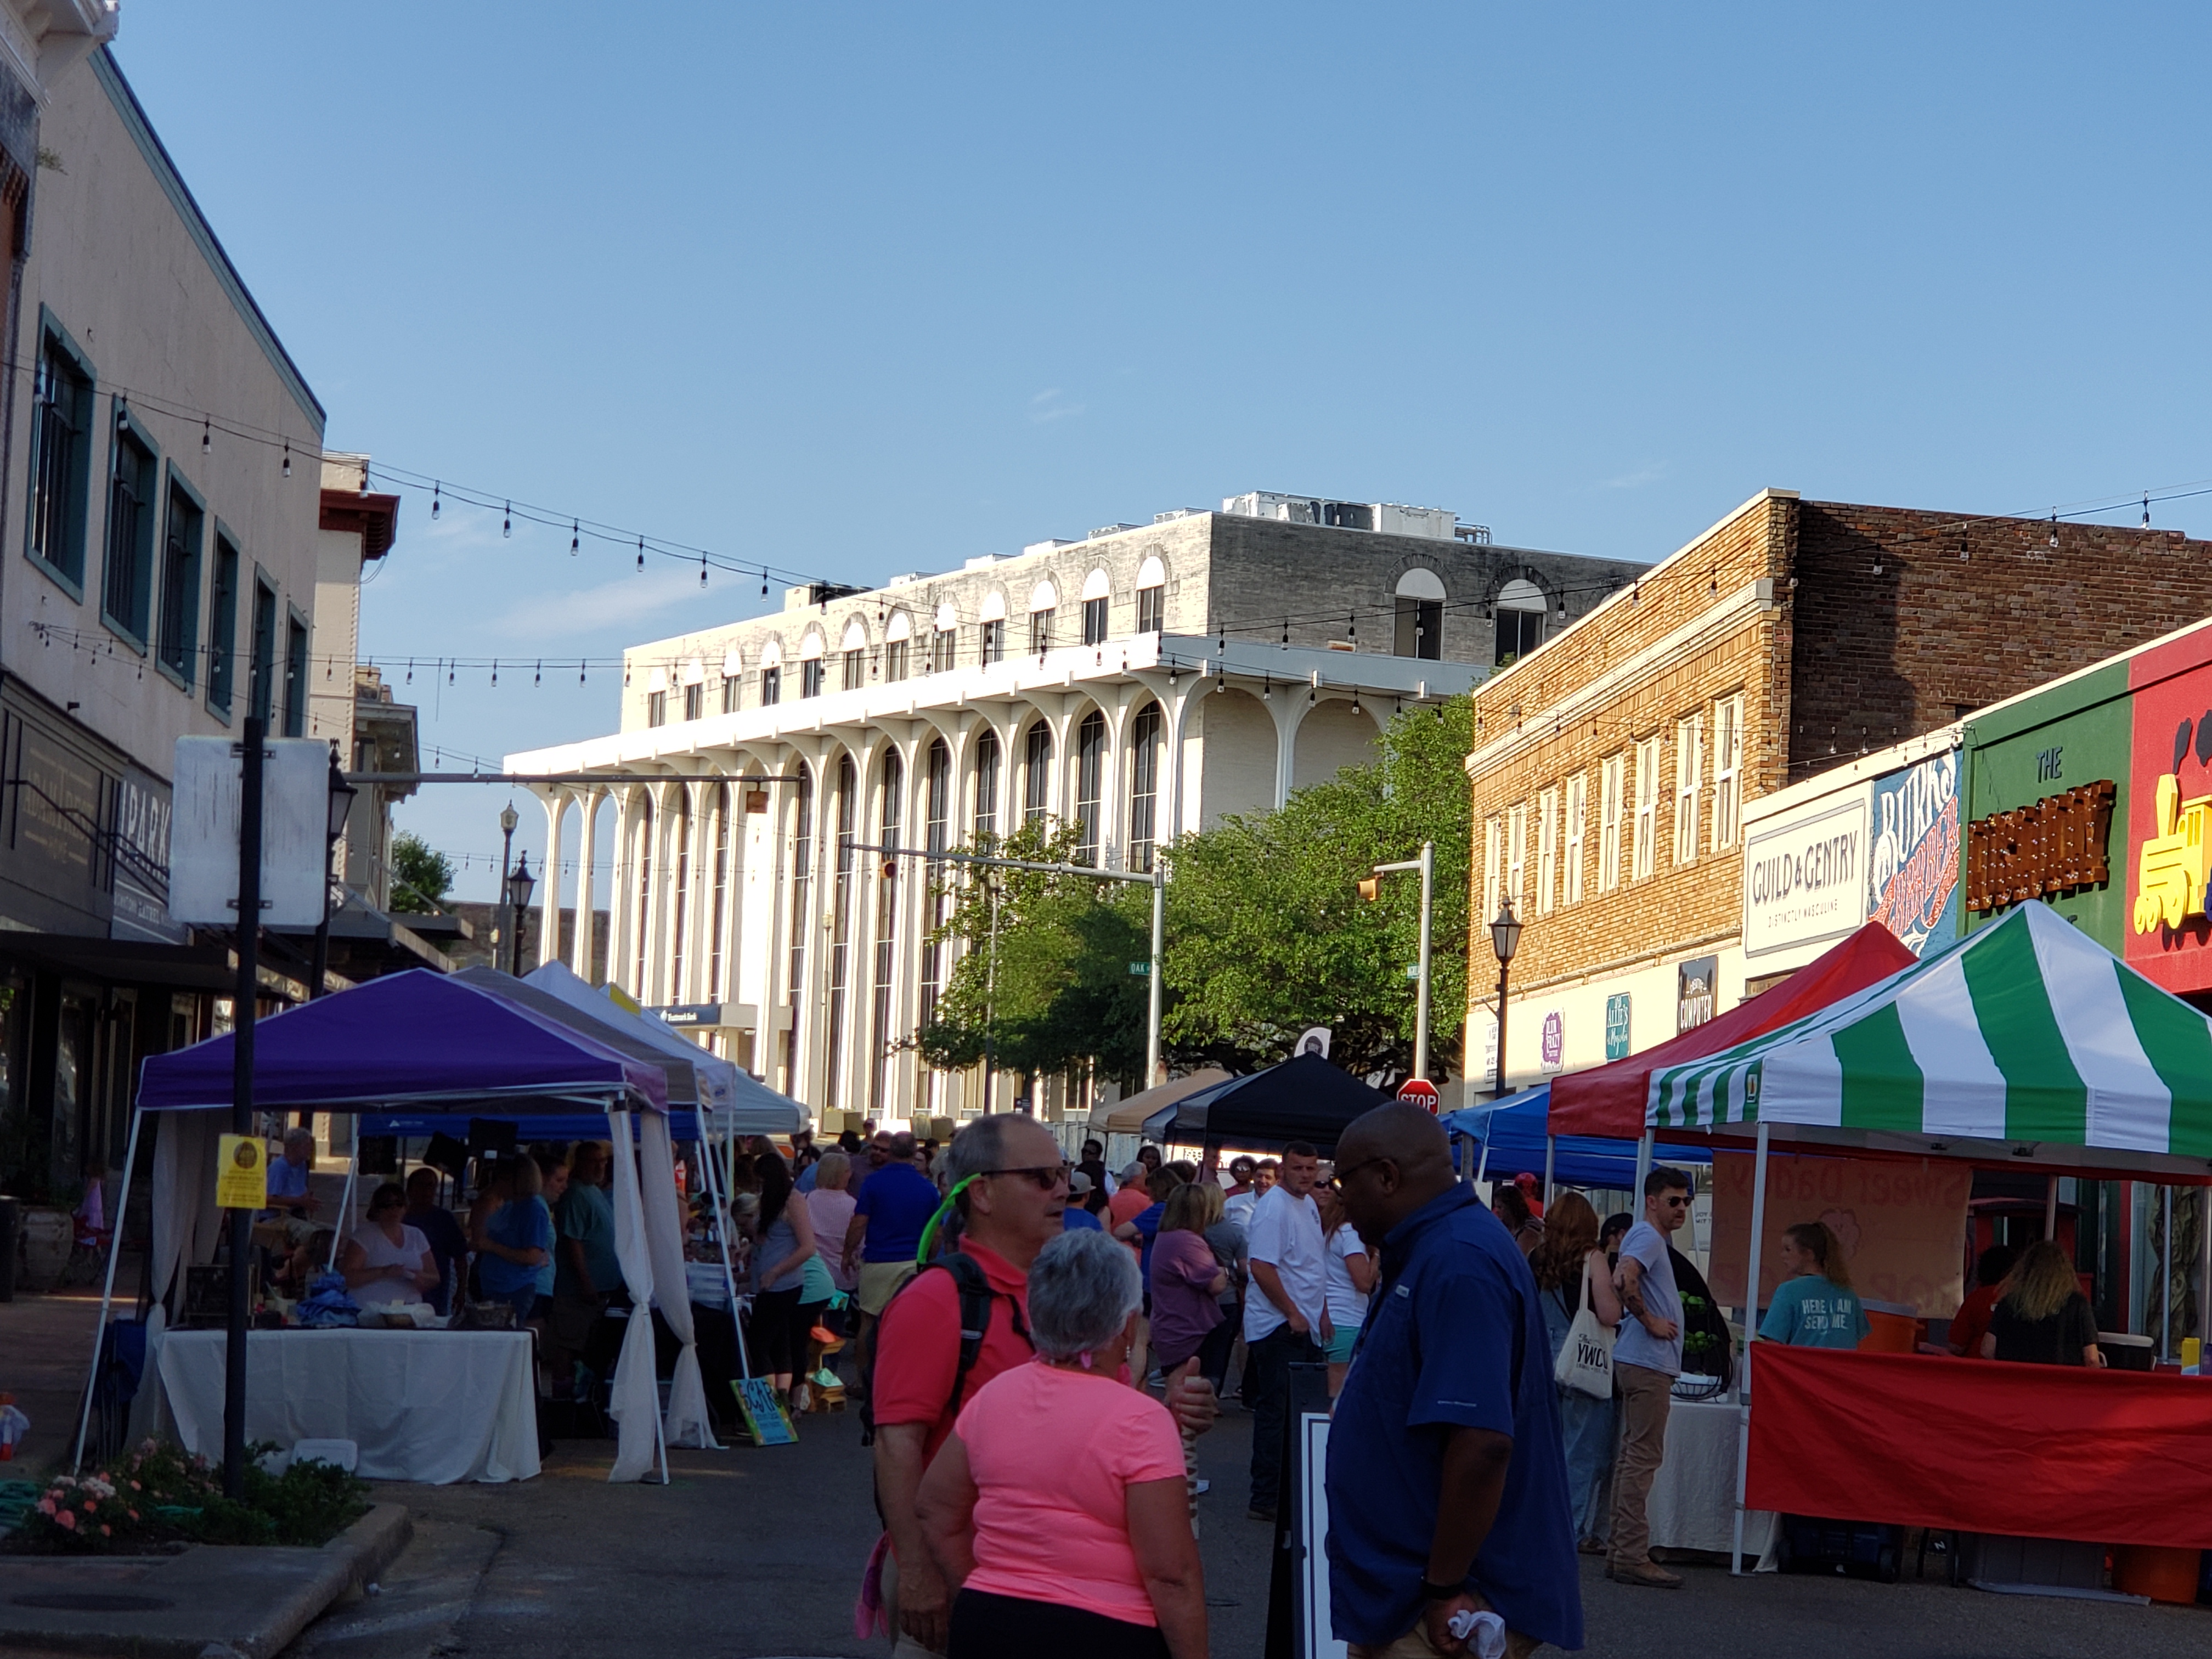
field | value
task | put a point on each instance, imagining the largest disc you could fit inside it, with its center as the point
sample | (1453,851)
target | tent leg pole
(724,1220)
(1482,1163)
(1642,1166)
(345,1203)
(2166,1277)
(2203,1279)
(1750,1337)
(1551,1162)
(106,1293)
(2050,1207)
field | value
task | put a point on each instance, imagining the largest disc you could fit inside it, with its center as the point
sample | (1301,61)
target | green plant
(161,1492)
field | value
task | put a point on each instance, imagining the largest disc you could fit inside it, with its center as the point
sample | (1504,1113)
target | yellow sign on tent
(241,1179)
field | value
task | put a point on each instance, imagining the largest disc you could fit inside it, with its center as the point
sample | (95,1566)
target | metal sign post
(241,1099)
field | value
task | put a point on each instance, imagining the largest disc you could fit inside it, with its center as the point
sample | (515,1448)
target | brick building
(1614,765)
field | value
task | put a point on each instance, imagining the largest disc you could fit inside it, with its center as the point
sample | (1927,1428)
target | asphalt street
(755,1553)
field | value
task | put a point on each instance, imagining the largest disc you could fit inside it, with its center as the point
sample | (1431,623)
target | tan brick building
(1613,766)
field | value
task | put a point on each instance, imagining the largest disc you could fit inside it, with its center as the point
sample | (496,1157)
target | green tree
(421,876)
(1267,932)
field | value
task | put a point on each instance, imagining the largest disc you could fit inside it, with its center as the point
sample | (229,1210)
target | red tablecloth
(2041,1451)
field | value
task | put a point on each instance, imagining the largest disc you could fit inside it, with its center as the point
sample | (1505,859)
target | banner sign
(1693,992)
(1902,1224)
(1805,875)
(1616,1026)
(242,1172)
(1913,859)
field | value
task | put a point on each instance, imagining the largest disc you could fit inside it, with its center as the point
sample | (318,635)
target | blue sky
(866,289)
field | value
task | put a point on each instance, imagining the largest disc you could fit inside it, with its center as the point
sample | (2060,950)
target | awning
(1514,1132)
(418,1036)
(1305,1098)
(1129,1115)
(2027,1036)
(1609,1100)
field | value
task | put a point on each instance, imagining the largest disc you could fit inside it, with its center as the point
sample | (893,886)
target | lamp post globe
(519,886)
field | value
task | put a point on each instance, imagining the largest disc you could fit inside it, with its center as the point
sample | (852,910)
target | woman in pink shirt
(1058,1506)
(830,1207)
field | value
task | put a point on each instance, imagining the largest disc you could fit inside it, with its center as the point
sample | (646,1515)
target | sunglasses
(1047,1176)
(1335,1182)
(1681,1203)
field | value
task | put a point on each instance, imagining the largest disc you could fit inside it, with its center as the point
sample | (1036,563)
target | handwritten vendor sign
(1902,1222)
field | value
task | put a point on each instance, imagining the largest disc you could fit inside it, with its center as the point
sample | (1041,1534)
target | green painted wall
(2010,762)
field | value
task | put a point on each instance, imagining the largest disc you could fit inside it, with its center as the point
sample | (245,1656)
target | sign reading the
(242,1172)
(2056,846)
(1421,1091)
(1805,876)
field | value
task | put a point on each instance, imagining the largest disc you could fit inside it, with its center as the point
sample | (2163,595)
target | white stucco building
(1138,683)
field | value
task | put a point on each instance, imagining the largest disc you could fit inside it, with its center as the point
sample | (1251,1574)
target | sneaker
(1202,1488)
(1652,1577)
(801,1399)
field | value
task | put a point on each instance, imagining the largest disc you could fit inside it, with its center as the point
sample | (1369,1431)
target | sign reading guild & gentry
(1805,875)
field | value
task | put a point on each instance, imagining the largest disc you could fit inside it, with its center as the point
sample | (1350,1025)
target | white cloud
(547,618)
(1650,473)
(1051,405)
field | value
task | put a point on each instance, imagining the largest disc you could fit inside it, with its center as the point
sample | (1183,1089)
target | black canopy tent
(1305,1098)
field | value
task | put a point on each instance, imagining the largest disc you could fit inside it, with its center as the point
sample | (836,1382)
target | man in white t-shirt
(1283,1312)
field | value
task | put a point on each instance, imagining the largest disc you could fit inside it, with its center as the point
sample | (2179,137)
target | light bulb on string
(495,671)
(702,570)
(576,536)
(2145,523)
(764,582)
(2054,526)
(449,673)
(641,552)
(410,671)
(507,521)
(435,488)
(364,478)
(207,434)
(287,457)
(579,671)
(538,677)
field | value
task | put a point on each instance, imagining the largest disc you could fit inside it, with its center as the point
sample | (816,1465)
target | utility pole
(1371,889)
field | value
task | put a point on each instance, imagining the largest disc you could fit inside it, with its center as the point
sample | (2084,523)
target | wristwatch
(1441,1592)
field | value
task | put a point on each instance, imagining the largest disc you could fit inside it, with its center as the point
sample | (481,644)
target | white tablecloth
(1692,1503)
(429,1405)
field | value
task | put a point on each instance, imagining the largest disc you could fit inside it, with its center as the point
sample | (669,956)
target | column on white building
(587,854)
(556,802)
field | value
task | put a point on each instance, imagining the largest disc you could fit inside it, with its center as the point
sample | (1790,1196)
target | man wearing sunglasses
(1011,1184)
(1646,1359)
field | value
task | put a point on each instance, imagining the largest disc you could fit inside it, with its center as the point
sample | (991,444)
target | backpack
(976,1297)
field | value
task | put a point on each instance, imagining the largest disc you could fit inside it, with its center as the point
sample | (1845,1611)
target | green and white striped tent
(2026,1037)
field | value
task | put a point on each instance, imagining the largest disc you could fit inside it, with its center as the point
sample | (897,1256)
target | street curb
(225,1630)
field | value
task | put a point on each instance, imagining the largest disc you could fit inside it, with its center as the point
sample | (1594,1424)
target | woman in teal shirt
(1816,1307)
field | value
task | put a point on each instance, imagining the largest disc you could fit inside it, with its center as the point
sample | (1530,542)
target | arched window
(1089,784)
(991,644)
(1421,615)
(841,926)
(802,870)
(771,690)
(1144,785)
(1151,595)
(896,638)
(854,650)
(1044,601)
(643,855)
(810,664)
(1098,594)
(721,835)
(733,676)
(945,639)
(679,895)
(1520,619)
(987,788)
(1037,773)
(887,888)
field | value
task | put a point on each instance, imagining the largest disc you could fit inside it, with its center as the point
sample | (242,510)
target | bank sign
(1805,874)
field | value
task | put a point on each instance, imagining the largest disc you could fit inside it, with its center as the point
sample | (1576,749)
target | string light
(434,501)
(207,430)
(538,677)
(702,574)
(2054,526)
(507,522)
(641,552)
(287,457)
(2145,523)
(576,536)
(364,478)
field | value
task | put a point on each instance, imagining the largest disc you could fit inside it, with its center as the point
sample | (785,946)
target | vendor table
(430,1406)
(1692,1504)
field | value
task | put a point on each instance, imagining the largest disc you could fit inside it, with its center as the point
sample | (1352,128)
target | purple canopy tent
(421,1042)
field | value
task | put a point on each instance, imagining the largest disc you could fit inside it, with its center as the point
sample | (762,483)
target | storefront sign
(1805,875)
(1553,1048)
(141,862)
(690,1013)
(1616,1026)
(1914,855)
(1694,992)
(2054,847)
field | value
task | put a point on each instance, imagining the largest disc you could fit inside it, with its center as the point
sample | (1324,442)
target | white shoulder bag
(1585,1361)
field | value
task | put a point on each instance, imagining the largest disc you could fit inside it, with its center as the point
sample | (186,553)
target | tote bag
(1585,1361)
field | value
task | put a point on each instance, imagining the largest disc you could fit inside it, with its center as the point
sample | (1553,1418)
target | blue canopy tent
(1512,1136)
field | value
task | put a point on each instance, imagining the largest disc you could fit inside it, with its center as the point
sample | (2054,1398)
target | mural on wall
(1912,861)
(2168,856)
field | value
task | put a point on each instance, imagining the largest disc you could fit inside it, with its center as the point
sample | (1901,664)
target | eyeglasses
(1335,1182)
(1673,1203)
(1047,1176)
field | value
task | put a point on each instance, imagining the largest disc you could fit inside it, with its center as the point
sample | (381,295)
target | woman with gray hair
(1058,1506)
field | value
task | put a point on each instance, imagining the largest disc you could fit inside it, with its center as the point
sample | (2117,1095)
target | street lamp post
(1504,939)
(519,882)
(341,795)
(508,820)
(1371,889)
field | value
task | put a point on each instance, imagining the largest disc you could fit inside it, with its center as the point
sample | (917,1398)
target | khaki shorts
(879,1282)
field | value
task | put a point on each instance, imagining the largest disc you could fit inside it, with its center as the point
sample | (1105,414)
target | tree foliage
(421,876)
(1265,932)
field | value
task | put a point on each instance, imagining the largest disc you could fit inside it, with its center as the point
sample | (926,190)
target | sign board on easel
(1298,1622)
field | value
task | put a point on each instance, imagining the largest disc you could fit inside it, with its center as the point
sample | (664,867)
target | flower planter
(42,1247)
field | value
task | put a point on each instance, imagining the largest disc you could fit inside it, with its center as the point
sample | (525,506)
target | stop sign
(1421,1091)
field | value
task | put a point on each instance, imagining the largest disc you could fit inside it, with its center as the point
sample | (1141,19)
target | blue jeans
(1587,1427)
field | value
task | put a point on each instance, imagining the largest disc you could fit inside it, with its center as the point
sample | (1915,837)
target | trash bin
(11,1225)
